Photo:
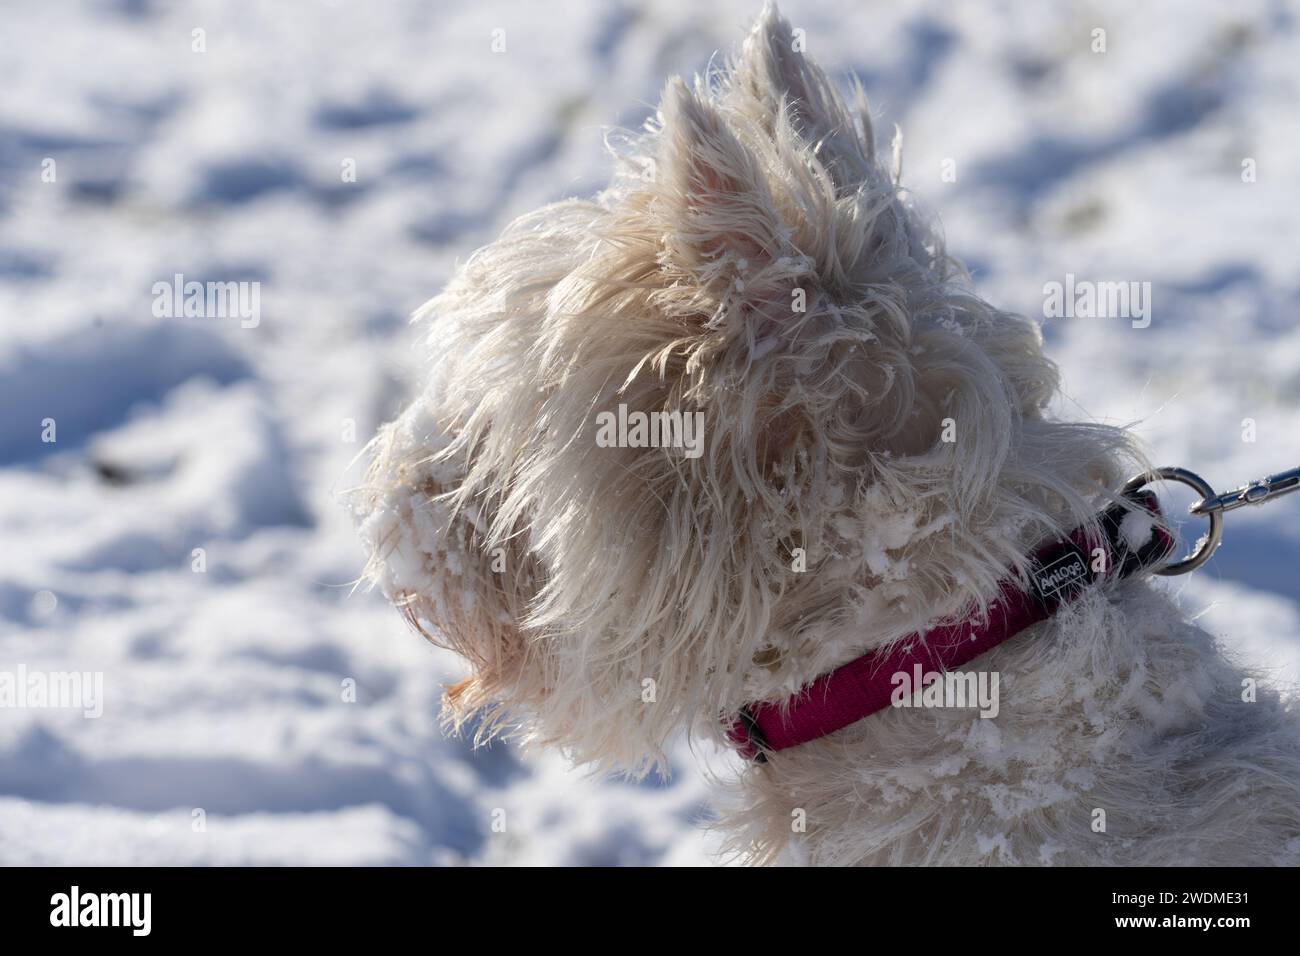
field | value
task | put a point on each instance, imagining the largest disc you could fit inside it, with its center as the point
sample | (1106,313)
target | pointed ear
(718,212)
(773,75)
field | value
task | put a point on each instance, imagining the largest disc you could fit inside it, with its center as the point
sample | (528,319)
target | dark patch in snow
(89,380)
(376,108)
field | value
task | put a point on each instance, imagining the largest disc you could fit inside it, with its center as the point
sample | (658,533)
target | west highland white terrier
(734,448)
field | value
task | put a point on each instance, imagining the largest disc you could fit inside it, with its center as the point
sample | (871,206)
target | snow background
(223,689)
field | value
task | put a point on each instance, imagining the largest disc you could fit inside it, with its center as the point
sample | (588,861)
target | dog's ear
(767,184)
(773,81)
(713,194)
(734,210)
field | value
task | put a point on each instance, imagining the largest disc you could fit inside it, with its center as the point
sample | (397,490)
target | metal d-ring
(1205,550)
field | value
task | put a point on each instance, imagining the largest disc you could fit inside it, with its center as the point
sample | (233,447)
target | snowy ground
(224,690)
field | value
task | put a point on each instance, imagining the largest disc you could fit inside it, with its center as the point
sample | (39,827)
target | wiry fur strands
(1114,705)
(752,261)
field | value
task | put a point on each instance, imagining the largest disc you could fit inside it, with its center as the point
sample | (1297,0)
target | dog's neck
(1127,538)
(1099,753)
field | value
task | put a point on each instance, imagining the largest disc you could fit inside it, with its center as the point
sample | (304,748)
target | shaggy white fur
(755,261)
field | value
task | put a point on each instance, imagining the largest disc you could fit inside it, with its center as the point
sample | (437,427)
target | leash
(1133,537)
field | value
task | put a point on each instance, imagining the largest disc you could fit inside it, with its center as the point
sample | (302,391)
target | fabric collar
(1059,573)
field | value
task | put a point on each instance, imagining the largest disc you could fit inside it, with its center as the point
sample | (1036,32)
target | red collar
(1059,574)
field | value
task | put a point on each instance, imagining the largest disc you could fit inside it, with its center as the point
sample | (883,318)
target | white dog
(738,422)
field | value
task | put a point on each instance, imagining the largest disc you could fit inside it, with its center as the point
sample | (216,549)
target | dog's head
(855,443)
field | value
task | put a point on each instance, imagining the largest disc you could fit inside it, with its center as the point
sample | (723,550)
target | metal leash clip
(1214,505)
(1251,493)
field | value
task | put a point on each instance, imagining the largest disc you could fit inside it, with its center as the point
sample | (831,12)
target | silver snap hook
(1206,547)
